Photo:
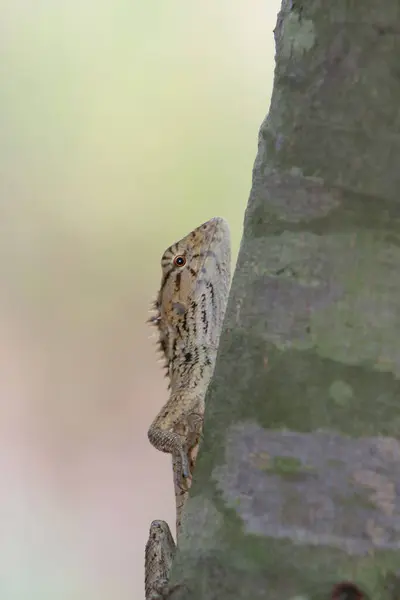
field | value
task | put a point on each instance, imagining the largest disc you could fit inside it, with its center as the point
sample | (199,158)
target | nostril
(347,591)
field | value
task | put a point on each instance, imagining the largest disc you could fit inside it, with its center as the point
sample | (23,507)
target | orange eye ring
(180,260)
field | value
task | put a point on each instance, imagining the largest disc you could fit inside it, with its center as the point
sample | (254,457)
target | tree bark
(296,494)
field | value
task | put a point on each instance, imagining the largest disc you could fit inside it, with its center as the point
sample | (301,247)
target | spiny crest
(200,259)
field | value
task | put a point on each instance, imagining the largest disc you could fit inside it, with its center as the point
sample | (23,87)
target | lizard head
(159,554)
(194,287)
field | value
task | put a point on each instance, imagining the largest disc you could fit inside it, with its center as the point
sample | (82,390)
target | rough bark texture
(297,486)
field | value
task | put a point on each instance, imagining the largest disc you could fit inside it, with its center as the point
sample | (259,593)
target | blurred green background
(124,125)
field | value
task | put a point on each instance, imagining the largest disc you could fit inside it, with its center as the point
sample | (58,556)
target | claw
(185,464)
(183,489)
(200,436)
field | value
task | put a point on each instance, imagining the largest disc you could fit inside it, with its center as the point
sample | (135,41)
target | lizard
(189,312)
(190,309)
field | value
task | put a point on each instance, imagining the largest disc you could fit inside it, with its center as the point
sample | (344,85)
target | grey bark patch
(286,305)
(320,489)
(219,575)
(202,516)
(292,197)
(294,35)
(363,326)
(337,293)
(284,282)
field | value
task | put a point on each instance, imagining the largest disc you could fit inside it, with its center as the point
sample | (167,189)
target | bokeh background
(123,126)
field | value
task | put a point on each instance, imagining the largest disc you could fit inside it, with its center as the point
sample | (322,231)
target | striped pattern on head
(194,286)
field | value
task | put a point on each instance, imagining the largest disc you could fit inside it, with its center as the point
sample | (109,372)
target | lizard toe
(185,464)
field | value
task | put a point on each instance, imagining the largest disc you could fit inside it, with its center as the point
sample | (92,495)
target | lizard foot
(165,592)
(184,487)
(184,464)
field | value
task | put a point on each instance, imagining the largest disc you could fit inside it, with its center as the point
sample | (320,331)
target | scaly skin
(190,310)
(189,313)
(159,554)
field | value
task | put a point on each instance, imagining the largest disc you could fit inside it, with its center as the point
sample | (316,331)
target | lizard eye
(180,261)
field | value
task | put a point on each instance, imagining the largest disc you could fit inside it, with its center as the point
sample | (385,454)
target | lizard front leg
(181,490)
(195,421)
(162,435)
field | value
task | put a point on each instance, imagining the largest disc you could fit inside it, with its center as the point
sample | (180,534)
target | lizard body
(189,313)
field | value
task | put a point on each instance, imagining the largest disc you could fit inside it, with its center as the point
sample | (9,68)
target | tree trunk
(296,494)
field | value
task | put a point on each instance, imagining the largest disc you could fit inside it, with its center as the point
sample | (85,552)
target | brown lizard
(189,313)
